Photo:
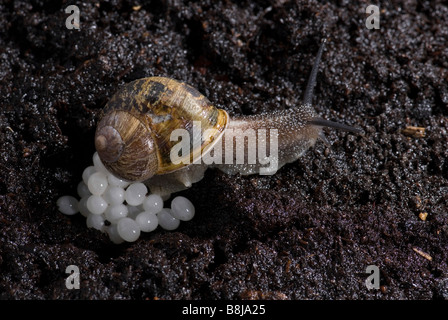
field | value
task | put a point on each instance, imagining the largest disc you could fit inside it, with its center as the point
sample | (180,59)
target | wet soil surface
(307,232)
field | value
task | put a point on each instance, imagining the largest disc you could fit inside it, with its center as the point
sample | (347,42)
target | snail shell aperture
(133,136)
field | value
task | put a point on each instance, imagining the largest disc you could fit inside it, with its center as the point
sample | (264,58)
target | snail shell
(133,136)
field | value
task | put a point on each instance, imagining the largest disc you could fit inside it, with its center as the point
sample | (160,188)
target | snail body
(134,136)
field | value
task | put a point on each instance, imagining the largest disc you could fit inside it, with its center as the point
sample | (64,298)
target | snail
(134,137)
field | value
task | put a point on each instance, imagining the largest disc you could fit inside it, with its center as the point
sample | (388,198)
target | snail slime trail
(247,147)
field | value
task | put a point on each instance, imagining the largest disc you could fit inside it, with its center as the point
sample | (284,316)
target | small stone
(423,216)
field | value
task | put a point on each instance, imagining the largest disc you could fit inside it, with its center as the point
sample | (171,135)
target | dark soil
(307,232)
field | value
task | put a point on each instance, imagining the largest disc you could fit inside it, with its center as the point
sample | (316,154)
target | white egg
(96,204)
(97,183)
(128,229)
(99,166)
(113,234)
(114,181)
(114,195)
(153,203)
(95,221)
(83,206)
(166,220)
(83,190)
(135,194)
(68,205)
(87,173)
(147,221)
(182,209)
(115,213)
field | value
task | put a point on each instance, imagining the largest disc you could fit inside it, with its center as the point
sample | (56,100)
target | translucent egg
(147,221)
(97,183)
(95,221)
(113,234)
(133,211)
(182,209)
(128,229)
(166,220)
(96,204)
(68,205)
(114,181)
(87,173)
(135,194)
(114,195)
(115,213)
(153,203)
(83,206)
(83,190)
(99,166)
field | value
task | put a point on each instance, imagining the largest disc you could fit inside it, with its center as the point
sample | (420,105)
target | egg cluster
(121,209)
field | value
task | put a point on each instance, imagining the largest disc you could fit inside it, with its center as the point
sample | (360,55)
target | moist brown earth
(307,232)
